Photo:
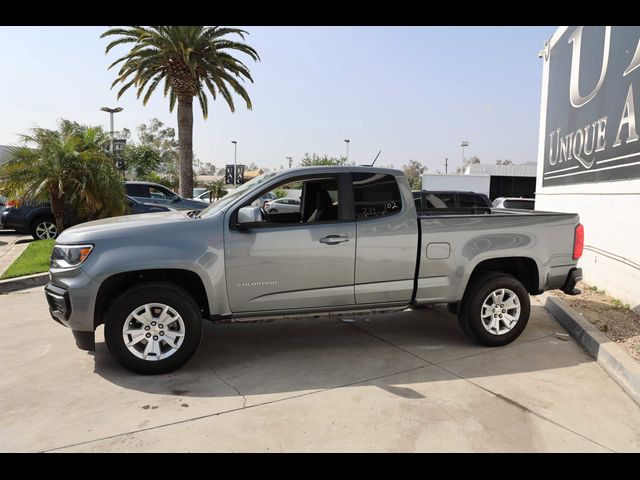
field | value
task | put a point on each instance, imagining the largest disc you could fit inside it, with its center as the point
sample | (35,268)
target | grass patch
(620,305)
(35,259)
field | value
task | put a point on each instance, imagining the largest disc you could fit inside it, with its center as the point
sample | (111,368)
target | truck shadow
(301,355)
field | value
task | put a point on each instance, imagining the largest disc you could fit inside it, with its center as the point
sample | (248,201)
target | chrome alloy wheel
(500,311)
(153,331)
(46,230)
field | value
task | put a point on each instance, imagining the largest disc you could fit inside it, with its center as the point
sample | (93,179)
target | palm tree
(65,165)
(216,189)
(192,61)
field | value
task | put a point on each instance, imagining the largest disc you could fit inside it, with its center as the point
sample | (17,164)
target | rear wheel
(153,328)
(495,310)
(44,228)
(273,210)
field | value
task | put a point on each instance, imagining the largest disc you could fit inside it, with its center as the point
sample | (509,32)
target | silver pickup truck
(357,243)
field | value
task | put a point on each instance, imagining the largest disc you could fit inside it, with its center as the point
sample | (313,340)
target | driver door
(283,264)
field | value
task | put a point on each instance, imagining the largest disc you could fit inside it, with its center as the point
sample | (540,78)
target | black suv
(37,218)
(430,202)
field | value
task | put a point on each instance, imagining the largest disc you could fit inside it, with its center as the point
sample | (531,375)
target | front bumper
(59,303)
(73,313)
(574,276)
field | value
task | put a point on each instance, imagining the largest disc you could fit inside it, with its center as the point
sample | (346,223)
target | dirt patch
(612,317)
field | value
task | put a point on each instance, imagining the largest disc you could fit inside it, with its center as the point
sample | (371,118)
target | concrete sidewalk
(410,381)
(12,245)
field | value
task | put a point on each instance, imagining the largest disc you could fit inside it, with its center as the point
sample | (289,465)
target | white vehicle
(509,202)
(282,205)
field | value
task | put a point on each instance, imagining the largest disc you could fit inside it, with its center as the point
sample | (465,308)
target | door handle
(333,239)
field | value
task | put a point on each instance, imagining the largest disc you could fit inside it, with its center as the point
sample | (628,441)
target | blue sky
(412,92)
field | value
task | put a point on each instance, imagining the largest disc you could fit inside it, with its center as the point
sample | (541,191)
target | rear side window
(439,200)
(375,195)
(137,190)
(472,201)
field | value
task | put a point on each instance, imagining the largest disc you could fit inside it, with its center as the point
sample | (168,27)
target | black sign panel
(591,132)
(228,176)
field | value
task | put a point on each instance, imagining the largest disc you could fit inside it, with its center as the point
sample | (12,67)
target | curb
(20,283)
(620,366)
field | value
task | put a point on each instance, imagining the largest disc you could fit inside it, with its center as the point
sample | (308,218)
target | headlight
(68,256)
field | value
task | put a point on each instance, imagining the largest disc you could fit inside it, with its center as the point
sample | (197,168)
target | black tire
(153,292)
(40,223)
(273,210)
(480,287)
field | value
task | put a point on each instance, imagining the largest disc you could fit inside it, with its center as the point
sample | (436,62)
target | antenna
(374,160)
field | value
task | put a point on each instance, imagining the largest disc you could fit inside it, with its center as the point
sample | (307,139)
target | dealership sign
(591,128)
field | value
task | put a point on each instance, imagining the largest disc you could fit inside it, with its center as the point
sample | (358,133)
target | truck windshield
(234,194)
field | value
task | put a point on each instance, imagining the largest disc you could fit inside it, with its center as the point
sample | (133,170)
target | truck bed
(453,245)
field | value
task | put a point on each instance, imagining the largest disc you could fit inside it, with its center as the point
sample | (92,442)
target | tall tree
(69,164)
(469,161)
(413,171)
(504,162)
(192,60)
(314,160)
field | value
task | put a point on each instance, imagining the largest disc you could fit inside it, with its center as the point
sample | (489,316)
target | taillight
(12,203)
(578,242)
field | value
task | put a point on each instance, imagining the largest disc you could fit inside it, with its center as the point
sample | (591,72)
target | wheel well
(113,286)
(41,216)
(523,268)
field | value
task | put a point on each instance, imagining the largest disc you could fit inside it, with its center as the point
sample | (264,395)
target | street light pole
(463,144)
(347,141)
(290,161)
(111,111)
(235,161)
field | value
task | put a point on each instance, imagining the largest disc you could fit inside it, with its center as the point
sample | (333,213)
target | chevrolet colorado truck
(357,244)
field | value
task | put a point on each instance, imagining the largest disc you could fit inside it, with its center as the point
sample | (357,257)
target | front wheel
(495,310)
(153,328)
(44,229)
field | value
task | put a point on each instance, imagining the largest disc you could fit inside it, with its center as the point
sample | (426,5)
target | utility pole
(445,165)
(111,111)
(290,161)
(235,161)
(463,144)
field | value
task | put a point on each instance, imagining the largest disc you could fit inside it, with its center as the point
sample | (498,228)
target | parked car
(204,197)
(431,202)
(149,192)
(282,205)
(356,244)
(198,191)
(267,197)
(511,202)
(36,218)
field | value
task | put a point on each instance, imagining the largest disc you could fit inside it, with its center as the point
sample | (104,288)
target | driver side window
(309,200)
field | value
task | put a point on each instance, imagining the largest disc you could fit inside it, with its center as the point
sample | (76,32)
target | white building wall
(610,213)
(609,210)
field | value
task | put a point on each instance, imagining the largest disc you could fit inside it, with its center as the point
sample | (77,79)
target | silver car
(283,205)
(519,203)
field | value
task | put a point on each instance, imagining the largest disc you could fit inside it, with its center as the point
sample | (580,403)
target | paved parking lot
(401,382)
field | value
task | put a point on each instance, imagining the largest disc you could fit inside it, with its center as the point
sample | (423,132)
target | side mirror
(175,199)
(249,215)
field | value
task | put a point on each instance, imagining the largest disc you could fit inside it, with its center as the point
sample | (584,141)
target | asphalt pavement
(408,382)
